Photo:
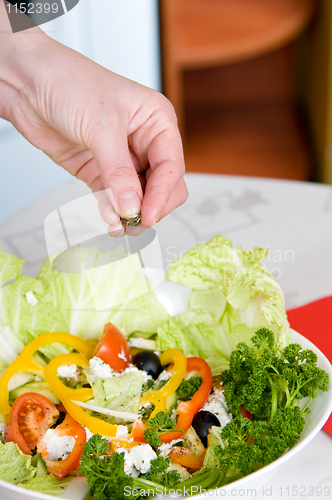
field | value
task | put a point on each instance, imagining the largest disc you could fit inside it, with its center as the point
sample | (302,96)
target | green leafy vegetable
(46,484)
(261,380)
(158,425)
(105,476)
(233,296)
(268,384)
(187,388)
(107,479)
(159,472)
(10,267)
(15,466)
(251,445)
(118,393)
(96,287)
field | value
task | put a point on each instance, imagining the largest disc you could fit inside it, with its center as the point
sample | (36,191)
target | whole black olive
(149,362)
(202,423)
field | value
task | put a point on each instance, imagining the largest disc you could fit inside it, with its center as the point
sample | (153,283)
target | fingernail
(135,231)
(116,230)
(129,203)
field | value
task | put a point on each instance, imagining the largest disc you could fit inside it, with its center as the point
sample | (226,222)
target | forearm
(17,50)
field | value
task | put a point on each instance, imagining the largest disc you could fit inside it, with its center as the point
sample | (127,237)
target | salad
(139,402)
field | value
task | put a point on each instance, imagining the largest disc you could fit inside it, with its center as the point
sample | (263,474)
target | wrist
(19,52)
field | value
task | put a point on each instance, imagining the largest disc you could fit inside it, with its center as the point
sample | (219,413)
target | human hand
(106,130)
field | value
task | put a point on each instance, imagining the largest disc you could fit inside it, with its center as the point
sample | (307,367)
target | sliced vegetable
(38,462)
(60,468)
(185,457)
(30,417)
(25,361)
(159,397)
(68,396)
(41,387)
(188,409)
(113,348)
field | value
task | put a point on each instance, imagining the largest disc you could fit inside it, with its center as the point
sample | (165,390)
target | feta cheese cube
(141,456)
(216,404)
(58,446)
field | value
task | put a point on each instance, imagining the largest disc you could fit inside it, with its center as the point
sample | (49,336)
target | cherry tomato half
(69,427)
(30,417)
(113,348)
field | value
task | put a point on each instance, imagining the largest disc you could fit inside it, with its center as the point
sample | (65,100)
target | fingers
(117,171)
(177,198)
(166,173)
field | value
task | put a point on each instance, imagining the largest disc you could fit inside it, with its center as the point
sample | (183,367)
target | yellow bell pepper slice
(159,397)
(67,395)
(25,362)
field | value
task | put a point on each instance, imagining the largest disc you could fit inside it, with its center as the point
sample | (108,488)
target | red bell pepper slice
(188,409)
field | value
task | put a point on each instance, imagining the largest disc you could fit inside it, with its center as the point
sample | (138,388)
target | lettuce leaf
(10,267)
(232,296)
(11,346)
(107,290)
(210,460)
(118,393)
(46,484)
(15,466)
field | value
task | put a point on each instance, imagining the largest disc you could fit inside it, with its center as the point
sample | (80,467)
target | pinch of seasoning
(131,221)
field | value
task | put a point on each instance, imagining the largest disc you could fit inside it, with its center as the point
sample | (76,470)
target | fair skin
(106,130)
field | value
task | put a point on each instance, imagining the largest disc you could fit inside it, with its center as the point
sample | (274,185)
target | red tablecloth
(314,321)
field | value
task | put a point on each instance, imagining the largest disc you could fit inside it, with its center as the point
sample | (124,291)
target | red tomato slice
(30,417)
(69,427)
(113,348)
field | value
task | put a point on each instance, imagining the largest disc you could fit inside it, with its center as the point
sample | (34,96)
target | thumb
(118,174)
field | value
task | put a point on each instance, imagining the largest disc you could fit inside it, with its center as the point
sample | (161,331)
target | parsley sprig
(107,479)
(158,425)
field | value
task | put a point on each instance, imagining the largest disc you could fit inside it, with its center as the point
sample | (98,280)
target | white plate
(175,300)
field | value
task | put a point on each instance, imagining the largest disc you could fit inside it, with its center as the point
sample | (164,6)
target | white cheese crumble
(31,299)
(133,369)
(99,369)
(129,466)
(141,456)
(58,446)
(121,431)
(2,429)
(216,404)
(137,459)
(68,371)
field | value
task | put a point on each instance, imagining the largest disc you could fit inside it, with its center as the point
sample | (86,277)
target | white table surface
(292,219)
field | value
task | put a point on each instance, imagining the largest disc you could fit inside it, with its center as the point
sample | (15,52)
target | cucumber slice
(20,378)
(38,462)
(41,387)
(171,402)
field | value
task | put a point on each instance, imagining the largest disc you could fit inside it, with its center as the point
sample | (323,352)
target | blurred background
(250,81)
